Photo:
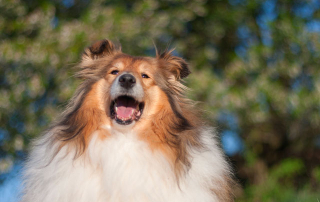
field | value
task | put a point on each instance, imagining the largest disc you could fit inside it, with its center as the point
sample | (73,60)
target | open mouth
(125,110)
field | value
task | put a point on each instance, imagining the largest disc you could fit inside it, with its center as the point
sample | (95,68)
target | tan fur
(90,117)
(226,192)
(169,122)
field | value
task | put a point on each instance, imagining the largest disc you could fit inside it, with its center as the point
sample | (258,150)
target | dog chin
(121,127)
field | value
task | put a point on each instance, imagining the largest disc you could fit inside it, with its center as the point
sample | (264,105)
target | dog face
(131,83)
(131,89)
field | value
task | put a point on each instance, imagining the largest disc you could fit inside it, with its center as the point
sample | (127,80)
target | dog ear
(100,49)
(176,65)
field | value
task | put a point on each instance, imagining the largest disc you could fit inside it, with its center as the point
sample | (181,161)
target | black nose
(127,81)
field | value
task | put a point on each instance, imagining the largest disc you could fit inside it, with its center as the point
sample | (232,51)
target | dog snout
(127,81)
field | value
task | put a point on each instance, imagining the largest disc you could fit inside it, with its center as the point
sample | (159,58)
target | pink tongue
(126,107)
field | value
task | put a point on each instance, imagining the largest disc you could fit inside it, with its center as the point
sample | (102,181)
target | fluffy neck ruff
(172,130)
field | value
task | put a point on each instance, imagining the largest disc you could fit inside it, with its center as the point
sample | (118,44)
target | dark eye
(115,72)
(145,76)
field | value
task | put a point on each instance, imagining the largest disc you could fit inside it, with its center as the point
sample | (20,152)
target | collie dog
(128,134)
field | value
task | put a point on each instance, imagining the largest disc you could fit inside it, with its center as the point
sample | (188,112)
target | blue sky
(12,186)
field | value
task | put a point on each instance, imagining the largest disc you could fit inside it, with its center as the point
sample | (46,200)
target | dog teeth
(135,113)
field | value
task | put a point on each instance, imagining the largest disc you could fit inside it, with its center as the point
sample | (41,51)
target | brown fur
(226,189)
(169,122)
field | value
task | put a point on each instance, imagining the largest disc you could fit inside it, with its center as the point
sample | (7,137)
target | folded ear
(100,49)
(176,65)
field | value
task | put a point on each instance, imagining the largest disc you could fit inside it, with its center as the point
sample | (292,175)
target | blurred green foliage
(256,61)
(279,185)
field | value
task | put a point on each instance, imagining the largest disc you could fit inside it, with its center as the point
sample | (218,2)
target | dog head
(131,89)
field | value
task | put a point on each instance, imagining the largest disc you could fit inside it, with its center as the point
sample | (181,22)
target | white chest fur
(121,168)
